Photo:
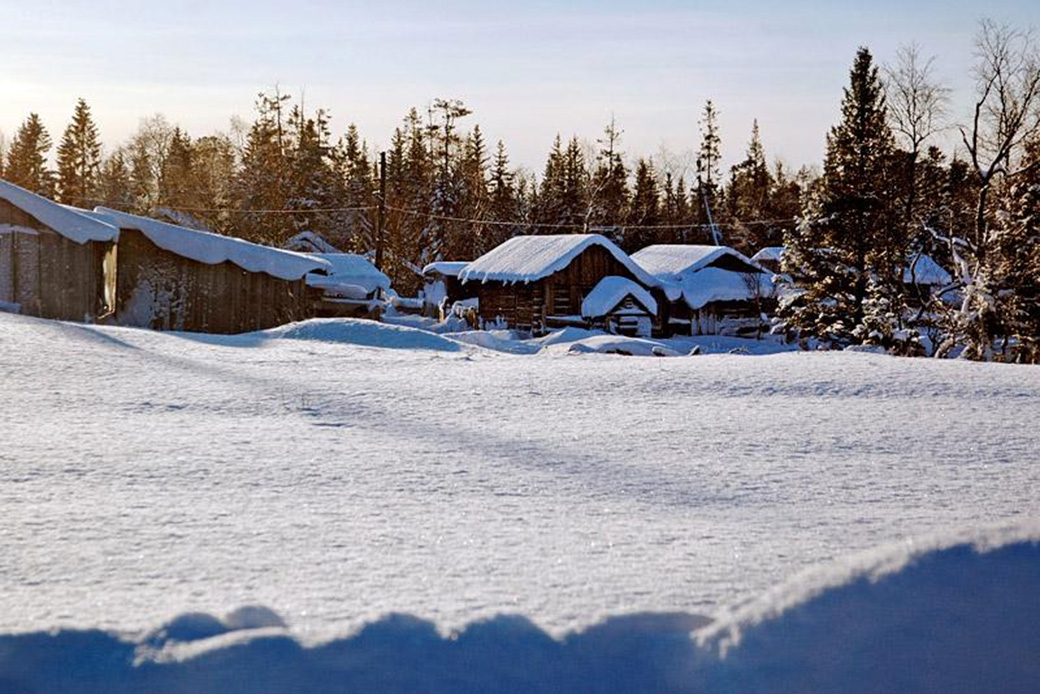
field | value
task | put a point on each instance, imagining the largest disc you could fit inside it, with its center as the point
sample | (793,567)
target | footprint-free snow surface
(334,481)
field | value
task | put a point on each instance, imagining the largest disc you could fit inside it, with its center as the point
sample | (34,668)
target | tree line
(886,197)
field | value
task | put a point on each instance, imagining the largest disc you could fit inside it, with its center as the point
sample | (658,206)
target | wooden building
(537,283)
(442,287)
(351,286)
(174,278)
(619,306)
(722,291)
(54,261)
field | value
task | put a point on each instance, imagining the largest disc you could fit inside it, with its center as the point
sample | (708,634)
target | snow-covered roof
(310,242)
(531,258)
(669,261)
(610,292)
(70,223)
(448,268)
(769,253)
(925,272)
(348,269)
(213,249)
(715,284)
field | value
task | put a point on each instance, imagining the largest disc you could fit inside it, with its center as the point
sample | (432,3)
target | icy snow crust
(530,258)
(67,222)
(312,470)
(213,249)
(950,617)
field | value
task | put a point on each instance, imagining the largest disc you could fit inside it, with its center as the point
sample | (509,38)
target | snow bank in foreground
(944,617)
(362,332)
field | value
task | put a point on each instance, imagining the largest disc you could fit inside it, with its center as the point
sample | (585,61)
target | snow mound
(614,344)
(950,617)
(496,340)
(943,615)
(365,333)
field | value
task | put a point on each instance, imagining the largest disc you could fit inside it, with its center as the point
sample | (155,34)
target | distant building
(349,285)
(442,288)
(769,258)
(541,282)
(54,261)
(721,291)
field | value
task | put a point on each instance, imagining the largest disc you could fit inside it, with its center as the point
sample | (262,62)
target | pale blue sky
(528,70)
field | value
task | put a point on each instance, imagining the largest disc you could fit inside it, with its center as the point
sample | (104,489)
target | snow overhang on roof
(213,249)
(70,223)
(715,284)
(769,253)
(611,291)
(448,268)
(524,259)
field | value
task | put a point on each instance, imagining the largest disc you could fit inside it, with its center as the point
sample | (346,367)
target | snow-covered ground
(337,471)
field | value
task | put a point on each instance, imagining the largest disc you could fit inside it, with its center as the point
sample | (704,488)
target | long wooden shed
(54,261)
(539,282)
(174,278)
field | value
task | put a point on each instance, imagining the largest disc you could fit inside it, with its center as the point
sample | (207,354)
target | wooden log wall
(164,291)
(48,275)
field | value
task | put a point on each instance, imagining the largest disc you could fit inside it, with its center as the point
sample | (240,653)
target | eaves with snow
(706,274)
(213,249)
(73,225)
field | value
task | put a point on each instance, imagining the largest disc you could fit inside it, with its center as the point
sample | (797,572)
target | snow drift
(943,616)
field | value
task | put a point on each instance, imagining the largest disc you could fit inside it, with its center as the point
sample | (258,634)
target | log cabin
(536,283)
(174,278)
(54,261)
(722,291)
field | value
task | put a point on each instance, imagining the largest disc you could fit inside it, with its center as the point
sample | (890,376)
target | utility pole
(381,213)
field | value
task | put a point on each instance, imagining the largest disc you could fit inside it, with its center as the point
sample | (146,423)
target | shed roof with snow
(213,249)
(612,291)
(671,261)
(531,258)
(69,223)
(348,269)
(447,268)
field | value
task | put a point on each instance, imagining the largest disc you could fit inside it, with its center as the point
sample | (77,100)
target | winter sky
(528,69)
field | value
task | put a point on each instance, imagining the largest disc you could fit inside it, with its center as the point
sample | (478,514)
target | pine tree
(79,159)
(355,171)
(845,240)
(262,181)
(27,157)
(644,210)
(177,177)
(503,202)
(748,196)
(708,173)
(609,185)
(115,187)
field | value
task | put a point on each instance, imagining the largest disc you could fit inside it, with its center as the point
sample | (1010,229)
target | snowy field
(336,472)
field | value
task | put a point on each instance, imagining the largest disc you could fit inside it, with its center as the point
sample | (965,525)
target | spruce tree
(609,185)
(262,181)
(845,240)
(27,158)
(748,196)
(79,159)
(115,188)
(644,210)
(708,173)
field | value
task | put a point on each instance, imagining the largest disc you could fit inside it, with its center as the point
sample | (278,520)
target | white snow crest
(213,249)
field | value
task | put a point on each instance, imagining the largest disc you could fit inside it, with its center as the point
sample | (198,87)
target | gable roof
(769,253)
(925,272)
(611,291)
(213,249)
(70,223)
(669,261)
(531,258)
(712,284)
